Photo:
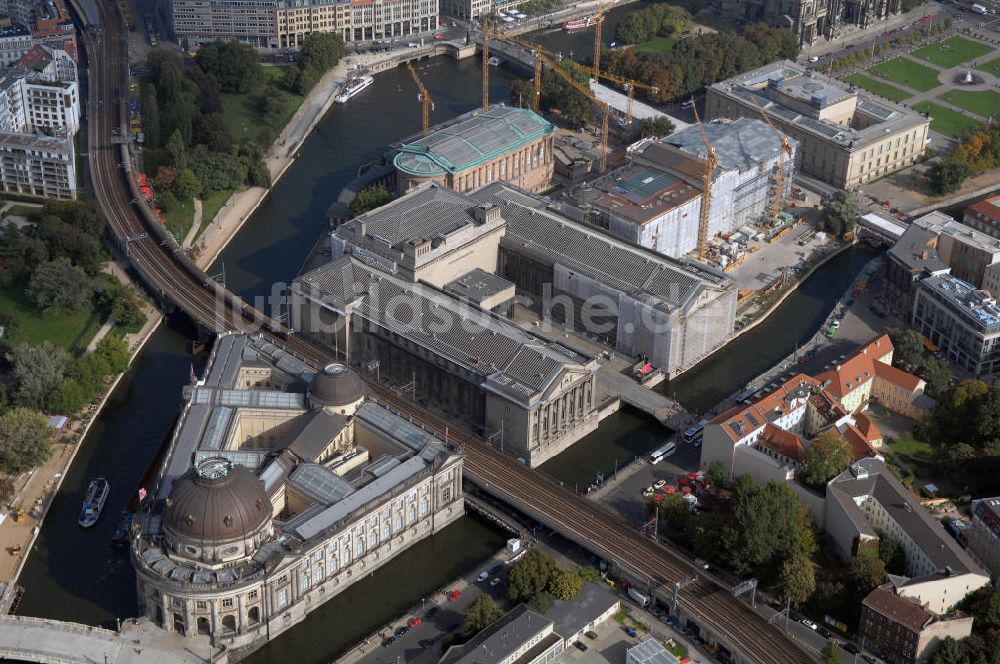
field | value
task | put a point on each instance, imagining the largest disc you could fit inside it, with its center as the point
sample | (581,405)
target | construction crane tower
(706,180)
(598,17)
(424,97)
(486,63)
(786,149)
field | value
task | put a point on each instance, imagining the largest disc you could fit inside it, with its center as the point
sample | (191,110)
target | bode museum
(282,486)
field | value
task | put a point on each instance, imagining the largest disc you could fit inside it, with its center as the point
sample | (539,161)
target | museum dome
(336,387)
(216,502)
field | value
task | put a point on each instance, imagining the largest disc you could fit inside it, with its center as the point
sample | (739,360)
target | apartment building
(38,165)
(845,136)
(15,42)
(904,631)
(984,216)
(504,143)
(767,435)
(984,534)
(353,20)
(972,255)
(251,22)
(961,320)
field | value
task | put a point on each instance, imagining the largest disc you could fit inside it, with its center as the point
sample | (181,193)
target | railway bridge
(175,278)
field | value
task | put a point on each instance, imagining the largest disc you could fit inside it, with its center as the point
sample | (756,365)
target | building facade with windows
(283,486)
(984,534)
(984,215)
(962,321)
(251,22)
(353,20)
(811,19)
(846,137)
(15,42)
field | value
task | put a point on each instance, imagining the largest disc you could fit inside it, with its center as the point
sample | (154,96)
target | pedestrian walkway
(195,225)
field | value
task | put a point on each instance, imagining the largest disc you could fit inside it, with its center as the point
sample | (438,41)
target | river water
(73,574)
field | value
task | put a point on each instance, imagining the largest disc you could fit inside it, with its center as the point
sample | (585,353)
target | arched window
(204,627)
(253,615)
(229,624)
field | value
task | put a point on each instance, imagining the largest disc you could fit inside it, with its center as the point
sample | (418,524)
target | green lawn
(878,87)
(242,113)
(952,51)
(985,102)
(916,454)
(909,73)
(210,207)
(945,120)
(991,67)
(72,331)
(656,45)
(21,210)
(179,219)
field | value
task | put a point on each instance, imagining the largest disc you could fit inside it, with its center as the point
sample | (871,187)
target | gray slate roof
(664,283)
(508,359)
(739,145)
(502,638)
(914,251)
(426,213)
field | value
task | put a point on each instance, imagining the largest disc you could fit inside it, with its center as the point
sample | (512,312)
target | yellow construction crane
(599,18)
(706,180)
(584,90)
(786,148)
(630,88)
(425,98)
(538,85)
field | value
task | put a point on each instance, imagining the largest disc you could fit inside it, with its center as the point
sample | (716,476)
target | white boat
(353,87)
(93,501)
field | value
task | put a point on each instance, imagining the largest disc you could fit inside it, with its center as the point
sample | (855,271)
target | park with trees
(208,127)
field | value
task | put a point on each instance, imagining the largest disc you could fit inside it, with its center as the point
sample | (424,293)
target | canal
(74,575)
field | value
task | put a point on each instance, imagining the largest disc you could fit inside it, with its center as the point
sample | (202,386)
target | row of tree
(976,153)
(558,96)
(908,38)
(908,354)
(56,261)
(47,378)
(702,60)
(659,20)
(983,646)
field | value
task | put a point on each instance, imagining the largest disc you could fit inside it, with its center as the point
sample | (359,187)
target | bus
(660,453)
(694,433)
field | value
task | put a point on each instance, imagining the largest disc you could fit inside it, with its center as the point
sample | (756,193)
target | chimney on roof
(487,213)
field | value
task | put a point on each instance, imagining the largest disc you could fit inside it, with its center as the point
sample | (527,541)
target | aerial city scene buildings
(500,332)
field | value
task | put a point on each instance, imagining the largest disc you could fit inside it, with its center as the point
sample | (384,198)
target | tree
(38,370)
(59,285)
(769,525)
(657,127)
(564,585)
(960,454)
(937,374)
(840,210)
(866,572)
(234,65)
(830,653)
(948,176)
(186,185)
(542,602)
(480,614)
(177,150)
(529,576)
(797,579)
(908,348)
(826,458)
(271,103)
(674,511)
(115,352)
(25,440)
(369,199)
(521,92)
(90,371)
(892,554)
(6,490)
(150,115)
(68,398)
(717,473)
(321,51)
(948,652)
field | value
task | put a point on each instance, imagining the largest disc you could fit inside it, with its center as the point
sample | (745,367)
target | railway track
(154,254)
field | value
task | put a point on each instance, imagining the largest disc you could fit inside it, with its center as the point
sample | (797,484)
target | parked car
(431,612)
(426,643)
(482,576)
(808,623)
(401,631)
(388,641)
(660,483)
(850,647)
(814,58)
(581,646)
(496,569)
(494,582)
(591,634)
(630,631)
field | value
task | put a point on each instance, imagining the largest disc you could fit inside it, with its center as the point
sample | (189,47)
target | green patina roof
(471,141)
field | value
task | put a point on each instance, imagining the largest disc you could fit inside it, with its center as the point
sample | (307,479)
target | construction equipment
(538,85)
(630,87)
(543,56)
(706,181)
(598,22)
(424,97)
(786,148)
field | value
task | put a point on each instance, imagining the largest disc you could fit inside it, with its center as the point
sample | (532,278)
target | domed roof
(216,502)
(336,385)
